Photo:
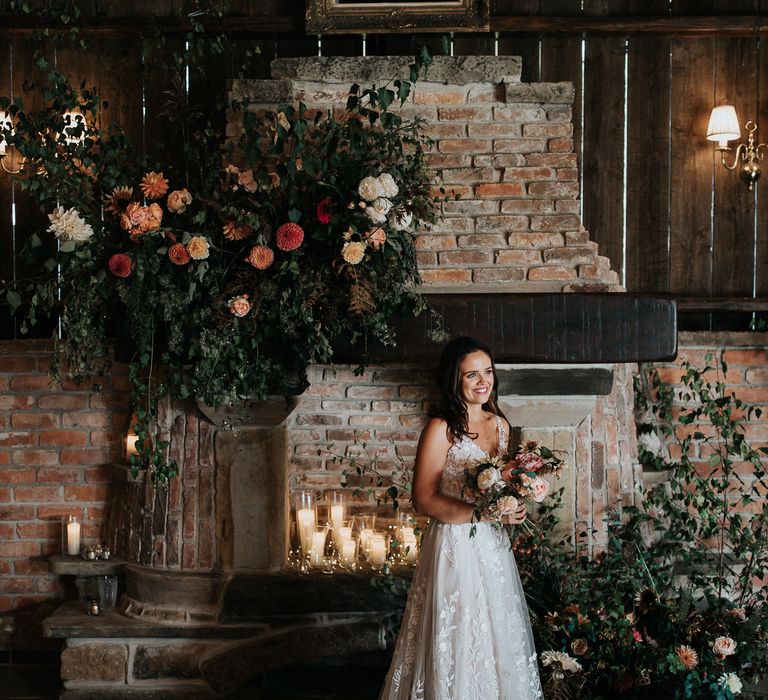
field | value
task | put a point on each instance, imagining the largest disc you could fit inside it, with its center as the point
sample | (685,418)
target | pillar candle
(337,515)
(73,538)
(317,548)
(305,521)
(377,547)
(347,551)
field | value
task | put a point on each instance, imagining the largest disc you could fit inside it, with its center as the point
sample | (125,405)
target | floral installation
(497,486)
(227,272)
(668,607)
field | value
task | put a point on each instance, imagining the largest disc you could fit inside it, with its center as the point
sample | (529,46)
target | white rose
(375,216)
(400,221)
(369,189)
(732,682)
(650,442)
(487,478)
(388,185)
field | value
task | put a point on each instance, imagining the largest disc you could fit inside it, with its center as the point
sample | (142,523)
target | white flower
(650,442)
(68,225)
(539,488)
(400,221)
(567,663)
(388,185)
(487,478)
(732,682)
(369,189)
(377,211)
(374,216)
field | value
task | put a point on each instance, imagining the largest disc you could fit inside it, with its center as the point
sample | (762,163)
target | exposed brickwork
(54,442)
(504,148)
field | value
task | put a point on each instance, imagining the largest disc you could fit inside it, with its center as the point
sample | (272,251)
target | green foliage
(678,572)
(207,299)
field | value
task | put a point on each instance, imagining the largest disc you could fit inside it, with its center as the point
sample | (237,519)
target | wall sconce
(724,127)
(10,159)
(75,128)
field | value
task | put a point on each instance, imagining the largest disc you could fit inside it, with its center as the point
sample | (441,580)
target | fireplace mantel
(575,327)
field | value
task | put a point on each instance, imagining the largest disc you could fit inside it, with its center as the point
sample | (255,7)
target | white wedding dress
(465,633)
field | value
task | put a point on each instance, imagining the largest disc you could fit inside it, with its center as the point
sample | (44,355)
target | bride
(465,633)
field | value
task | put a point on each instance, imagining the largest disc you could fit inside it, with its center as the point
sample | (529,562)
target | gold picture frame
(354,17)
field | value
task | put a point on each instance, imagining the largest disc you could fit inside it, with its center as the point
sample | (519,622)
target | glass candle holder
(306,518)
(318,539)
(337,508)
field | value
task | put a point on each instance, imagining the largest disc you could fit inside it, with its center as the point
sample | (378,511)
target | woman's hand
(517,517)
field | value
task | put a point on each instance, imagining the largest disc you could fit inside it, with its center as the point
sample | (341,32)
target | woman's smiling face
(476,377)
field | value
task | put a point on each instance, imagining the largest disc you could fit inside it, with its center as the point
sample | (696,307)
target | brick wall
(54,444)
(746,356)
(505,148)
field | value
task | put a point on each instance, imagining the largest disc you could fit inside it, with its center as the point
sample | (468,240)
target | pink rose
(376,238)
(724,646)
(540,489)
(529,461)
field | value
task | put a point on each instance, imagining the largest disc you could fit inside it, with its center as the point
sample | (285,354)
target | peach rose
(179,200)
(198,248)
(724,646)
(376,237)
(240,306)
(138,220)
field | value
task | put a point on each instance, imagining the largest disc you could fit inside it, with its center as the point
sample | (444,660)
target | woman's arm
(431,454)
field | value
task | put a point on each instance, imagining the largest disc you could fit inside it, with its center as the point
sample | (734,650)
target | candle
(347,551)
(317,548)
(410,550)
(377,549)
(337,515)
(73,537)
(305,519)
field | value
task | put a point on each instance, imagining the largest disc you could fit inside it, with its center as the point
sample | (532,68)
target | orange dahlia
(289,237)
(688,656)
(154,185)
(233,232)
(261,257)
(179,254)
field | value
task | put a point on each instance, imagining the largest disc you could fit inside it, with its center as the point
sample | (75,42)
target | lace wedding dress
(465,633)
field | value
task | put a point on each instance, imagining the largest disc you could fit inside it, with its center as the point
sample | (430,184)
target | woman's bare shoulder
(436,430)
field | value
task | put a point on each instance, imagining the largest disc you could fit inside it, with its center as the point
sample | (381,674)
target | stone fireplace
(220,531)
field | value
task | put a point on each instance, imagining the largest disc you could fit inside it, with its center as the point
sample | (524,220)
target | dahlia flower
(178,254)
(289,236)
(261,257)
(153,185)
(120,265)
(68,225)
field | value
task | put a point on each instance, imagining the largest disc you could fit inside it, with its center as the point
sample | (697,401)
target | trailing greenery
(672,606)
(225,274)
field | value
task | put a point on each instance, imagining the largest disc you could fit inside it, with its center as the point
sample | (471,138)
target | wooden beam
(680,25)
(132,26)
(713,304)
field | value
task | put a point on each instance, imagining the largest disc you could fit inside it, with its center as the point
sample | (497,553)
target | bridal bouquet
(497,486)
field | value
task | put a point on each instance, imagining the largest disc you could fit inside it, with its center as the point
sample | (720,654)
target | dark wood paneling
(692,90)
(118,59)
(734,218)
(761,232)
(527,46)
(603,156)
(648,133)
(568,328)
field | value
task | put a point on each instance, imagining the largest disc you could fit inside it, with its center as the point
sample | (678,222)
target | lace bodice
(462,454)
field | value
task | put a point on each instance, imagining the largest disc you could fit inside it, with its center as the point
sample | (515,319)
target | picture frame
(378,17)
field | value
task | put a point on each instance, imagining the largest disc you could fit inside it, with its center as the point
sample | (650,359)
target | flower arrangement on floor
(672,605)
(498,485)
(229,272)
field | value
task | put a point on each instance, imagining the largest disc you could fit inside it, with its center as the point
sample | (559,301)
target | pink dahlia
(289,237)
(120,265)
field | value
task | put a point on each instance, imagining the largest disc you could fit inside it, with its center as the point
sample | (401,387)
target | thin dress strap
(502,434)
